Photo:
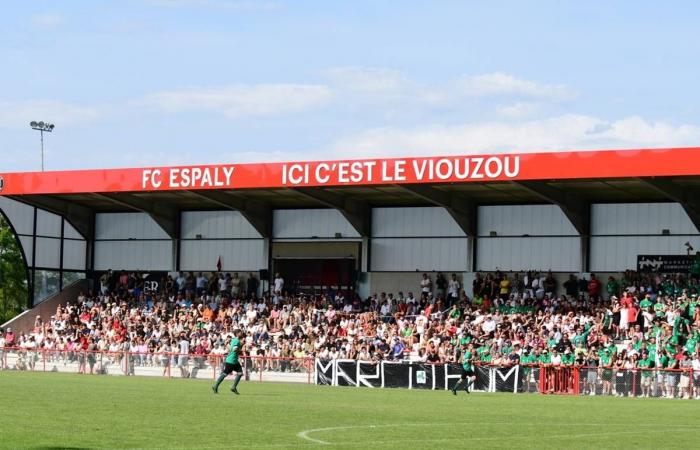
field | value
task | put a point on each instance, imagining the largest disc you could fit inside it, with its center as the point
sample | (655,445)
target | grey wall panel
(20,214)
(127,226)
(515,254)
(516,220)
(306,223)
(413,222)
(133,255)
(216,224)
(27,246)
(619,253)
(48,253)
(640,218)
(74,254)
(333,249)
(236,255)
(70,232)
(424,254)
(48,224)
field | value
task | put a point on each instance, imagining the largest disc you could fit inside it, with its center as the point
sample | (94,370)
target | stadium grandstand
(578,269)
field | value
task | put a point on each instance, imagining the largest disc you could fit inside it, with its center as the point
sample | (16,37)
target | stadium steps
(24,322)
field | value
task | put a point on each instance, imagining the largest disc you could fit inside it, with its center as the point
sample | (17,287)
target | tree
(14,293)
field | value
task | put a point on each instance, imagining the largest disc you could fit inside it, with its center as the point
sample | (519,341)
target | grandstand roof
(571,180)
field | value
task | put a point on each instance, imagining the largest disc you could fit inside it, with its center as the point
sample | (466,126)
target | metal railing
(163,364)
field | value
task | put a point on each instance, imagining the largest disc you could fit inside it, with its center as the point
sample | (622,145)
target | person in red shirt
(593,287)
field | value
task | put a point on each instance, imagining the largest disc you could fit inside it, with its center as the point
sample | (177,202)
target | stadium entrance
(315,267)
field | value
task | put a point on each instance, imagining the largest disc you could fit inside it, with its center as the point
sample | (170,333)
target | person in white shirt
(556,358)
(278,283)
(426,285)
(453,290)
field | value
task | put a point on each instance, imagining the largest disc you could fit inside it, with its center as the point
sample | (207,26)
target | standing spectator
(236,284)
(593,288)
(453,290)
(278,283)
(550,285)
(441,286)
(201,283)
(426,286)
(183,356)
(571,286)
(504,289)
(252,286)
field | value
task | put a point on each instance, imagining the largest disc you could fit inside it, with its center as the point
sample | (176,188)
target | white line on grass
(305,434)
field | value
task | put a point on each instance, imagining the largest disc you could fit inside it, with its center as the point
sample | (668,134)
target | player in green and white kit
(468,376)
(232,364)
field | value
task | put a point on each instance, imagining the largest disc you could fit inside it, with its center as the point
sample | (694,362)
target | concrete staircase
(24,322)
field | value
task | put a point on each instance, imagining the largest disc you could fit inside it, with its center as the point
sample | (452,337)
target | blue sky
(145,82)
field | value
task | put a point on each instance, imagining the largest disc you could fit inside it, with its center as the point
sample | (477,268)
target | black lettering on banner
(411,375)
(346,373)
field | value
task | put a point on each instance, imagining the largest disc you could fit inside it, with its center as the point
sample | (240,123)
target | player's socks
(468,385)
(455,387)
(235,383)
(222,375)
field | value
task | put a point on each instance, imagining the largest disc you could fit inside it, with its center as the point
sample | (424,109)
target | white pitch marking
(305,434)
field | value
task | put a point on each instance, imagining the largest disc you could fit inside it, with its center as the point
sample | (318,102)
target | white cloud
(19,114)
(519,110)
(243,100)
(46,20)
(503,84)
(567,132)
(368,80)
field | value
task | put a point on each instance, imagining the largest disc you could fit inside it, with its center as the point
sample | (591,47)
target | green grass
(48,410)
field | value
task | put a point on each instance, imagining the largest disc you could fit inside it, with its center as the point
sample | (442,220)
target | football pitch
(48,410)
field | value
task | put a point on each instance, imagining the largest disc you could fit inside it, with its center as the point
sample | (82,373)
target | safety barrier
(168,365)
(520,378)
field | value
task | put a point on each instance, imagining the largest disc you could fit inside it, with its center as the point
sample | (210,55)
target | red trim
(448,169)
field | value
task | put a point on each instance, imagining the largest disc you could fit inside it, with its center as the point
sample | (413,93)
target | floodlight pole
(41,127)
(42,149)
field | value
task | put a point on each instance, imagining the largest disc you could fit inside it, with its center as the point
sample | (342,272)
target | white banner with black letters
(413,375)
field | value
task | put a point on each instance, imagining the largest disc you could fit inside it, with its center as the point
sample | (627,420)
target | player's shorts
(182,361)
(685,382)
(646,380)
(467,373)
(232,367)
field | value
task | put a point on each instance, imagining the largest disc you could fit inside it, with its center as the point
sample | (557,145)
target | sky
(168,82)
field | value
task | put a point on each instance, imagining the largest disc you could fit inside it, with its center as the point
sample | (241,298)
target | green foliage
(13,275)
(39,410)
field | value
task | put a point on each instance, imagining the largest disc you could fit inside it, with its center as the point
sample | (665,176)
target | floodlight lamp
(33,123)
(41,124)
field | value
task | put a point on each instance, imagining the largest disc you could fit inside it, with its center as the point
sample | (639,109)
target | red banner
(437,169)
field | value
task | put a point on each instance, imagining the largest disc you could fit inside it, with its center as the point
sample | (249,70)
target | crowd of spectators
(639,321)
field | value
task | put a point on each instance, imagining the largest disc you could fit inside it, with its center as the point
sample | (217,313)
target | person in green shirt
(646,363)
(646,302)
(567,359)
(527,359)
(468,376)
(232,364)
